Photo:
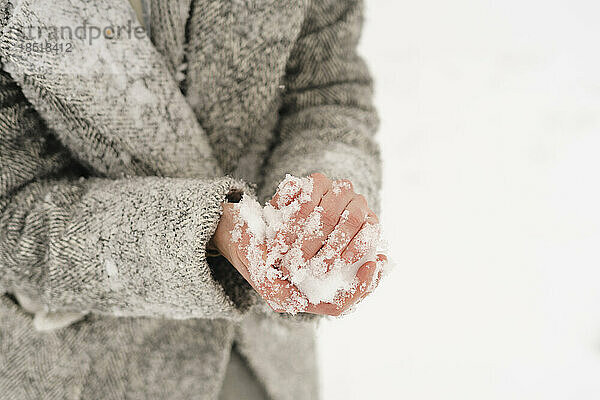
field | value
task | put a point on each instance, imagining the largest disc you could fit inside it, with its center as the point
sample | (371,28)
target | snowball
(271,257)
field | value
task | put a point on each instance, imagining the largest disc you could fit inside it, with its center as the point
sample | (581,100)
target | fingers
(346,300)
(381,260)
(290,189)
(282,296)
(279,293)
(287,191)
(326,222)
(301,220)
(332,204)
(362,244)
(321,184)
(350,223)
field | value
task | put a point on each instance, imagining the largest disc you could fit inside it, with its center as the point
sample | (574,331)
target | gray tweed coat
(116,153)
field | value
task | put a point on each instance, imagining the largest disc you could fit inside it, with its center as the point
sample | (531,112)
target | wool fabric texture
(116,157)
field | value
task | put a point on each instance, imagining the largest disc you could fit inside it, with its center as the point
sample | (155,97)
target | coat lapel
(168,22)
(106,91)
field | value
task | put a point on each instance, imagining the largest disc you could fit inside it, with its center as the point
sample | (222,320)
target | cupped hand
(343,216)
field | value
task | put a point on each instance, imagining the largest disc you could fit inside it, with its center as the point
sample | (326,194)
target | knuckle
(355,220)
(361,200)
(329,221)
(322,184)
(318,177)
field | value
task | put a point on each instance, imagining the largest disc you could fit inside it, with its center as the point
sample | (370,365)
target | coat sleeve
(129,247)
(327,119)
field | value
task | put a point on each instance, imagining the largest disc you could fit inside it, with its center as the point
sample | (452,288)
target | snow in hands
(271,239)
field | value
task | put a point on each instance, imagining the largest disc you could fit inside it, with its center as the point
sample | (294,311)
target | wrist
(221,240)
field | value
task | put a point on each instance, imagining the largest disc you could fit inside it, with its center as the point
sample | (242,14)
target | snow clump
(325,277)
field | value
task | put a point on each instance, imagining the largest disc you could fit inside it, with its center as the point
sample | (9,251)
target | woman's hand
(343,214)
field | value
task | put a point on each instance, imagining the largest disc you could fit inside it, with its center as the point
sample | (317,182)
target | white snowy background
(491,140)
